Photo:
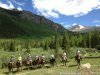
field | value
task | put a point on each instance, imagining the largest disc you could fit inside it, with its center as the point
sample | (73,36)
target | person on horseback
(52,59)
(78,51)
(19,63)
(11,59)
(78,57)
(36,57)
(78,54)
(43,57)
(64,54)
(29,58)
(52,56)
(19,58)
(11,64)
(64,58)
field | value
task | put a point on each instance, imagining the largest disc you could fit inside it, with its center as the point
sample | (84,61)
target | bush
(98,47)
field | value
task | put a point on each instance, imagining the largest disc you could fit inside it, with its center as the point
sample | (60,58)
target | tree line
(85,40)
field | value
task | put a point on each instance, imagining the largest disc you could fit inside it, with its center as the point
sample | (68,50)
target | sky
(65,12)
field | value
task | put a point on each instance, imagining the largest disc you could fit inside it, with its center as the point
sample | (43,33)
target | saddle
(78,56)
(11,62)
(19,61)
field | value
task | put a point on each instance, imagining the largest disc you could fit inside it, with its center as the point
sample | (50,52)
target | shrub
(98,47)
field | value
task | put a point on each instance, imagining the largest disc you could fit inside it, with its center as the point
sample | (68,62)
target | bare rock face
(35,18)
(40,19)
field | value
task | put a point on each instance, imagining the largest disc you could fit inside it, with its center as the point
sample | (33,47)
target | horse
(41,61)
(64,60)
(19,65)
(27,63)
(78,58)
(11,65)
(52,61)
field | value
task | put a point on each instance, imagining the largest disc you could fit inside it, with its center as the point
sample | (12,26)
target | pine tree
(46,47)
(56,45)
(12,46)
(65,42)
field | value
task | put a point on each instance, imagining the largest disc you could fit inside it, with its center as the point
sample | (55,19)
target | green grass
(57,70)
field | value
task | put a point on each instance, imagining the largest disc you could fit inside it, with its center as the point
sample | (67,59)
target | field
(71,68)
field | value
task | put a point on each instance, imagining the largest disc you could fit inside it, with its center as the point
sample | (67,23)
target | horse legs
(65,63)
(11,69)
(21,68)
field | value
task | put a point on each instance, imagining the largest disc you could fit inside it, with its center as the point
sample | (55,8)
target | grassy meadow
(91,56)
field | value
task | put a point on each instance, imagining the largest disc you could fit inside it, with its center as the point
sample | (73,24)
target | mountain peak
(77,27)
(81,28)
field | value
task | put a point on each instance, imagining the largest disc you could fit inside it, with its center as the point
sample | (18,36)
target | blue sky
(65,12)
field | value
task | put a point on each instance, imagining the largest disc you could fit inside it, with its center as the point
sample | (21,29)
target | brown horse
(11,65)
(39,62)
(19,65)
(78,58)
(27,63)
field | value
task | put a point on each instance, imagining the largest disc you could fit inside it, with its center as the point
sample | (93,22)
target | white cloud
(96,21)
(19,8)
(7,6)
(67,26)
(97,25)
(18,3)
(76,8)
(74,24)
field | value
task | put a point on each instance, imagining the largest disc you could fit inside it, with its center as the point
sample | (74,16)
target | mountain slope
(14,23)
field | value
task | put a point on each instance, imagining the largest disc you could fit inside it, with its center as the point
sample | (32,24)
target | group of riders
(43,57)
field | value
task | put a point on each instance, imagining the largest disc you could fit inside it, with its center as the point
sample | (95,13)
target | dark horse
(78,58)
(19,65)
(39,62)
(64,60)
(52,61)
(11,65)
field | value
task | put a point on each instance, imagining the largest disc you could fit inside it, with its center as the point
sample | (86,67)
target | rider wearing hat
(29,57)
(19,58)
(11,59)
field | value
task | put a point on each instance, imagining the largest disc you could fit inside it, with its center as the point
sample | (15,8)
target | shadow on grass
(26,69)
(72,65)
(92,57)
(7,73)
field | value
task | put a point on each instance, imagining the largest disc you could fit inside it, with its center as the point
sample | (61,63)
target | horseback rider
(19,58)
(52,59)
(64,58)
(11,59)
(78,53)
(78,57)
(36,57)
(52,56)
(29,58)
(64,54)
(43,57)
